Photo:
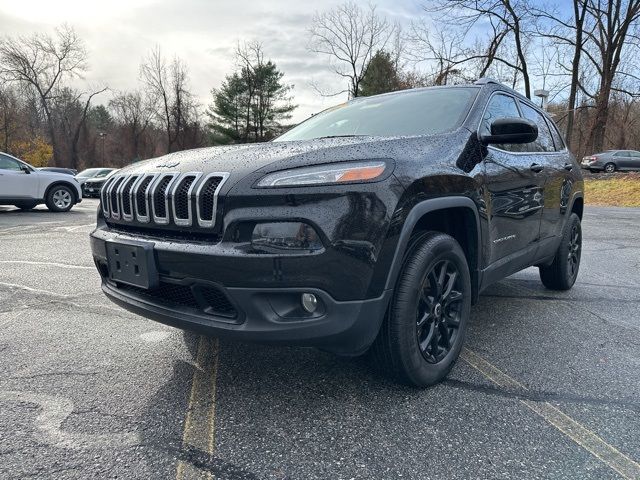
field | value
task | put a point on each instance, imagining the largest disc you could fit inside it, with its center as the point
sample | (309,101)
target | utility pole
(102,135)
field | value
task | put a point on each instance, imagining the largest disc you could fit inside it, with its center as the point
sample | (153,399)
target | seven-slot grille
(186,199)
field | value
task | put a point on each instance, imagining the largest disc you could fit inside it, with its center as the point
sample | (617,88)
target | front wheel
(423,332)
(59,199)
(610,168)
(561,274)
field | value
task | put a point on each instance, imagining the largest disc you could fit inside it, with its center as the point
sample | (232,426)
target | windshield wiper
(341,136)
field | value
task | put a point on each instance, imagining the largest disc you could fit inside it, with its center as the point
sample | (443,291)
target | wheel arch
(73,189)
(577,205)
(456,216)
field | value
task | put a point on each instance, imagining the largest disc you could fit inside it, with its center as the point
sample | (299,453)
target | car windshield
(409,113)
(89,172)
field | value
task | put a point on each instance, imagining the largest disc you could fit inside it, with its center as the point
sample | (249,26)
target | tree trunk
(600,119)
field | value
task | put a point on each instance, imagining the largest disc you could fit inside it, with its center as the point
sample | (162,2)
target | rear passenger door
(635,156)
(512,189)
(555,176)
(624,160)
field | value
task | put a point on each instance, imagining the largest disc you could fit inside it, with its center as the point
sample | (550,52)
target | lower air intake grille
(204,298)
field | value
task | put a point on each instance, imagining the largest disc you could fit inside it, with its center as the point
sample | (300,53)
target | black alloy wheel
(562,272)
(422,334)
(439,311)
(575,250)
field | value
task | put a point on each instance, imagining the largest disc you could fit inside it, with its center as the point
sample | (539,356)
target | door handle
(568,167)
(536,167)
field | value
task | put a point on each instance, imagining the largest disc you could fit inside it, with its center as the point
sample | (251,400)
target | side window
(635,154)
(620,154)
(8,163)
(544,142)
(499,106)
(557,138)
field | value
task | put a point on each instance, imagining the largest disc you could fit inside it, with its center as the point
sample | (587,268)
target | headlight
(330,173)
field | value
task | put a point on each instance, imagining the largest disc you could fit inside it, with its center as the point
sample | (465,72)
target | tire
(610,167)
(59,198)
(26,205)
(561,274)
(420,309)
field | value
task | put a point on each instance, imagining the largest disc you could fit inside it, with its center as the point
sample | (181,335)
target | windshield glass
(418,112)
(89,172)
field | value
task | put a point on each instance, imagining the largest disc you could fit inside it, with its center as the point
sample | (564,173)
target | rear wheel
(610,167)
(423,332)
(59,199)
(563,271)
(26,205)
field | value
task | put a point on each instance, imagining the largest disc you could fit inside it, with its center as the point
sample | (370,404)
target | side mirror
(511,130)
(25,169)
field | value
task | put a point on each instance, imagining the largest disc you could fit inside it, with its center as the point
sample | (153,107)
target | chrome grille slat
(205,218)
(165,198)
(127,206)
(179,197)
(114,201)
(141,205)
(159,198)
(104,197)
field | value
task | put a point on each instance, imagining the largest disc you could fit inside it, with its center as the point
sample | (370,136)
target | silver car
(612,160)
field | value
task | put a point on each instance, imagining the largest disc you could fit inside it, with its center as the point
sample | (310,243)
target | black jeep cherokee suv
(372,225)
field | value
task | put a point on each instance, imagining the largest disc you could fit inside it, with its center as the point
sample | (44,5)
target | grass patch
(619,191)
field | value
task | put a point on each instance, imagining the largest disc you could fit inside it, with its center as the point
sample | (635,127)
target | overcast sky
(204,33)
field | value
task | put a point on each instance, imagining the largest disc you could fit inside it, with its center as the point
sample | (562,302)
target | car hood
(55,175)
(241,160)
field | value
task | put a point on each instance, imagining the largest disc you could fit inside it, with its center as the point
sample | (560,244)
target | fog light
(309,302)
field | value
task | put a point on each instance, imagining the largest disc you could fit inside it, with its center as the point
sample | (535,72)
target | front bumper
(263,310)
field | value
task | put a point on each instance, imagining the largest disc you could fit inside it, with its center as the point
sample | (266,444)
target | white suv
(25,187)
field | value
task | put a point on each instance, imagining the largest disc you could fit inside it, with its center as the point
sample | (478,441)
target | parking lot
(548,386)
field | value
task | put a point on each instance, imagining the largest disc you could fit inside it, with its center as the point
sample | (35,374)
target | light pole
(102,135)
(544,96)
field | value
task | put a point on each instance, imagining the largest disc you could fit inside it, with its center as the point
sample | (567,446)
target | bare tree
(442,50)
(134,112)
(350,35)
(42,63)
(507,19)
(615,34)
(567,33)
(168,83)
(9,117)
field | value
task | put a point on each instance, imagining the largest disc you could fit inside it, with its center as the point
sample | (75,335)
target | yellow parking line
(577,432)
(199,424)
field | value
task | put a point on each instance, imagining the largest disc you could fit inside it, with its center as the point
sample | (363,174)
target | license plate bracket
(132,263)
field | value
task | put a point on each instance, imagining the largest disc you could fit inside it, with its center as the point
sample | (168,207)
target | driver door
(15,183)
(513,190)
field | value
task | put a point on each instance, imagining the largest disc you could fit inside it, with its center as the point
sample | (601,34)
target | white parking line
(577,432)
(52,264)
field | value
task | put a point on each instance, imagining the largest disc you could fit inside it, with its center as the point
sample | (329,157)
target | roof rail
(485,80)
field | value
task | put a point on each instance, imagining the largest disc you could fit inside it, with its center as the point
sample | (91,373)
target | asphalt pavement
(548,385)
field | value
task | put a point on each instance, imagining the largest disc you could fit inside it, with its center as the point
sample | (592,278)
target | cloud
(203,33)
